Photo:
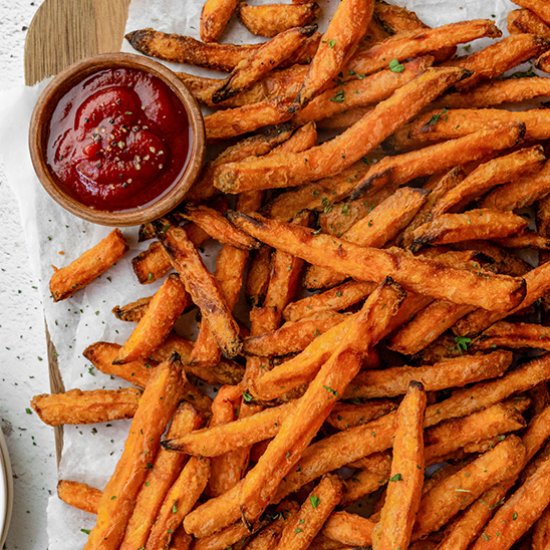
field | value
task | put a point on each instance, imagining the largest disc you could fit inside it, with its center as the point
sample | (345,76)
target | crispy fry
(520,193)
(299,428)
(88,267)
(134,311)
(346,28)
(365,482)
(525,21)
(335,299)
(179,501)
(529,239)
(151,264)
(269,56)
(293,336)
(301,530)
(223,438)
(349,529)
(435,158)
(487,175)
(335,155)
(396,19)
(538,284)
(456,372)
(513,336)
(519,512)
(181,540)
(213,223)
(457,491)
(422,41)
(79,495)
(480,223)
(344,415)
(164,471)
(500,57)
(86,407)
(376,229)
(166,306)
(415,274)
(272,19)
(156,407)
(543,62)
(541,531)
(503,261)
(342,121)
(360,92)
(234,535)
(537,6)
(203,288)
(214,17)
(258,276)
(511,90)
(407,474)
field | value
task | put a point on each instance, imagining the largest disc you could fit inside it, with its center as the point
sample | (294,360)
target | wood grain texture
(61,33)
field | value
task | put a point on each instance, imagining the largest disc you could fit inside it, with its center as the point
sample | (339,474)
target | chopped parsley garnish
(330,390)
(340,97)
(395,66)
(434,119)
(247,396)
(462,343)
(315,501)
(396,477)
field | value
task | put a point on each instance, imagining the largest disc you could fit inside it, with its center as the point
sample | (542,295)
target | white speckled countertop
(23,365)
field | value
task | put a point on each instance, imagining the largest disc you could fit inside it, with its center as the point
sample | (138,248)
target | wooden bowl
(38,138)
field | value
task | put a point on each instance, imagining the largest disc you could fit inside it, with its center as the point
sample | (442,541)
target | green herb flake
(396,477)
(28,411)
(330,390)
(149,276)
(315,501)
(462,343)
(395,66)
(434,119)
(514,516)
(175,509)
(339,97)
(331,43)
(298,530)
(247,396)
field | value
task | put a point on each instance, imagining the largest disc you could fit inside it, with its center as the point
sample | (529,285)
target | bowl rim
(75,73)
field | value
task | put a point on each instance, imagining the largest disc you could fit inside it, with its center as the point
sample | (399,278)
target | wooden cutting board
(61,33)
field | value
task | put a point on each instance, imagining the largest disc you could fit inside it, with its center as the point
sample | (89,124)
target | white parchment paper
(55,237)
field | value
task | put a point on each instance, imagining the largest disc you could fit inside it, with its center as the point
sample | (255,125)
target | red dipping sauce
(118,139)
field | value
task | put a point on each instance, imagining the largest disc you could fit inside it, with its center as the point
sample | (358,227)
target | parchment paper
(56,237)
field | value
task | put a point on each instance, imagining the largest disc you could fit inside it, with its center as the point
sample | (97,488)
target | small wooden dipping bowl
(38,139)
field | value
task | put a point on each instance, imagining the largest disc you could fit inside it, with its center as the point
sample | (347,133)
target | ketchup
(118,139)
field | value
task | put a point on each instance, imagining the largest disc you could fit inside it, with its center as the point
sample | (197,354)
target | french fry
(181,540)
(529,239)
(272,19)
(335,155)
(489,174)
(415,274)
(299,532)
(134,311)
(543,62)
(269,56)
(166,306)
(223,438)
(536,6)
(525,21)
(380,226)
(89,266)
(458,372)
(480,223)
(397,19)
(335,299)
(86,407)
(230,267)
(214,17)
(156,407)
(346,28)
(234,535)
(258,276)
(520,193)
(438,157)
(181,498)
(450,124)
(203,288)
(268,537)
(342,121)
(345,415)
(79,495)
(500,57)
(360,92)
(293,336)
(260,484)
(519,512)
(366,481)
(349,529)
(493,93)
(164,471)
(407,474)
(213,223)
(457,491)
(184,49)
(538,284)
(541,531)
(513,336)
(151,264)
(420,42)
